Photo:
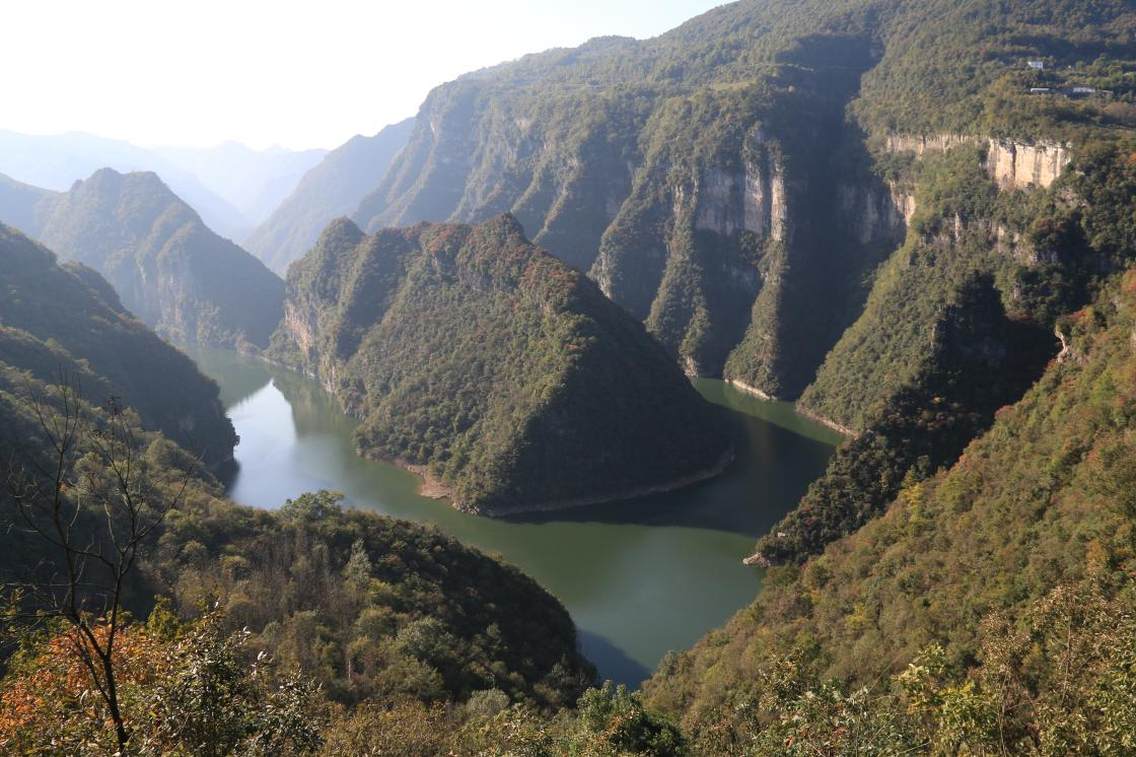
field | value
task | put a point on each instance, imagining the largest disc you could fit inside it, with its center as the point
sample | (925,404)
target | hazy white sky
(263,72)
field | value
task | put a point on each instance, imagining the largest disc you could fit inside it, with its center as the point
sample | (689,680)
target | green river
(640,578)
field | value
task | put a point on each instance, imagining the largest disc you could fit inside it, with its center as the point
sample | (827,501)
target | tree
(87,491)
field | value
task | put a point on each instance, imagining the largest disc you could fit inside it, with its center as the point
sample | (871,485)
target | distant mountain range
(255,182)
(231,186)
(331,189)
(169,269)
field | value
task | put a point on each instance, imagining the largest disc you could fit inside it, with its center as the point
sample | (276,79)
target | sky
(293,74)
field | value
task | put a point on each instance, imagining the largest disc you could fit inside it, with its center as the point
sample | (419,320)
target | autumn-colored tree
(87,493)
(188,690)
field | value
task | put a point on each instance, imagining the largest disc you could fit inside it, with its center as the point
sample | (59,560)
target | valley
(763,387)
(630,573)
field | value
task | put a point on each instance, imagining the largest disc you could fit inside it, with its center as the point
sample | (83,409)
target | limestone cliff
(736,183)
(1011,164)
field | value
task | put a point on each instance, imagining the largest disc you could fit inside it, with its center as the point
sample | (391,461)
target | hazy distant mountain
(21,205)
(166,265)
(57,161)
(255,182)
(333,188)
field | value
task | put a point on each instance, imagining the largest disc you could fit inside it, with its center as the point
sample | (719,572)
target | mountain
(169,269)
(503,375)
(912,218)
(66,319)
(21,204)
(254,182)
(58,161)
(884,211)
(833,203)
(1005,583)
(331,189)
(91,405)
(710,180)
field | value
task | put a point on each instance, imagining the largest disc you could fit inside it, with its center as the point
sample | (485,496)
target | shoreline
(675,484)
(748,389)
(800,409)
(429,487)
(433,488)
(837,427)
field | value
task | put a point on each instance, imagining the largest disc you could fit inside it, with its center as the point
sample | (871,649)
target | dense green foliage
(960,579)
(331,189)
(508,374)
(168,268)
(309,605)
(1041,503)
(608,721)
(66,319)
(373,608)
(187,689)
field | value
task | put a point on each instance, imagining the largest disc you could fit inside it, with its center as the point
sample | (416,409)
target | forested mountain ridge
(689,171)
(168,268)
(919,377)
(330,189)
(846,203)
(914,217)
(65,319)
(504,373)
(1005,582)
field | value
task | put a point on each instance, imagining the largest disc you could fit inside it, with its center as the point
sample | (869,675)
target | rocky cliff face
(682,205)
(1011,164)
(1019,165)
(716,182)
(189,284)
(473,356)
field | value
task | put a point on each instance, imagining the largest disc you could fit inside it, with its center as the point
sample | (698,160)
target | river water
(640,578)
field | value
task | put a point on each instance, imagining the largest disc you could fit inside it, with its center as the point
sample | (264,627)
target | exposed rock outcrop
(1011,164)
(1018,165)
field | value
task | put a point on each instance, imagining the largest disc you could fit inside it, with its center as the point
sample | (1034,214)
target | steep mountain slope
(169,269)
(505,373)
(709,180)
(959,323)
(59,160)
(331,189)
(981,560)
(254,182)
(66,318)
